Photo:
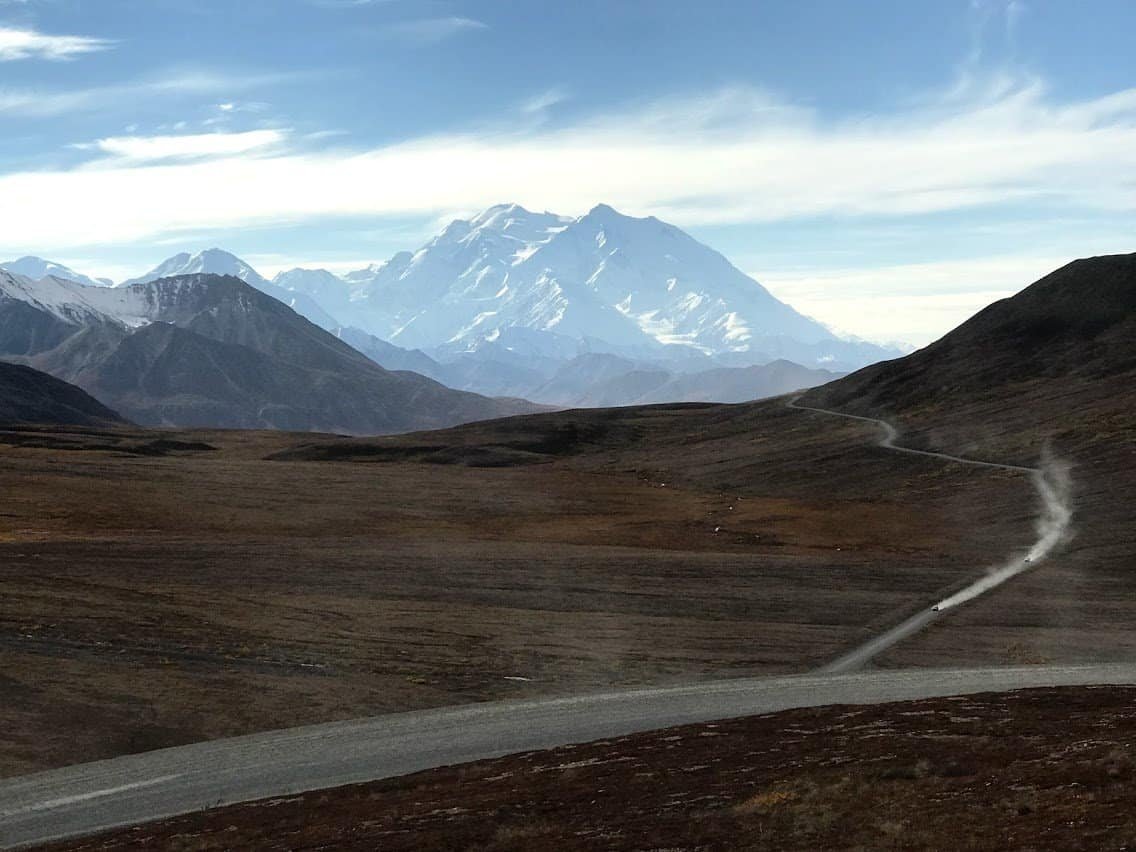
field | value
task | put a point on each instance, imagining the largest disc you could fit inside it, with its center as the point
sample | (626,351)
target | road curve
(860,656)
(891,435)
(85,799)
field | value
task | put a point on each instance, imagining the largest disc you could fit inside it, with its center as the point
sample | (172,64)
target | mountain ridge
(215,261)
(211,351)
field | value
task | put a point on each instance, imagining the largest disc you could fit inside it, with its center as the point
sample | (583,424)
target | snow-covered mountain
(212,261)
(547,286)
(217,262)
(604,281)
(36,268)
(75,303)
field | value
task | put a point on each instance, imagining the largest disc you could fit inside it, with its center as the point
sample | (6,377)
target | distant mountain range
(36,268)
(603,309)
(557,286)
(207,350)
(594,379)
(549,284)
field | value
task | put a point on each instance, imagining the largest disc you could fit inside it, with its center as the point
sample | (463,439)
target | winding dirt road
(1053,526)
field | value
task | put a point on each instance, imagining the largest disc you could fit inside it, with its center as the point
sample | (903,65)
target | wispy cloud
(541,103)
(47,103)
(152,149)
(16,44)
(426,31)
(736,156)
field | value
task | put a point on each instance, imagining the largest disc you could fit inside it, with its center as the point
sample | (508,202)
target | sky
(886,166)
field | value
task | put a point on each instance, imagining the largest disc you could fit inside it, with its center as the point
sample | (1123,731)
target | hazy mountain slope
(218,262)
(36,268)
(739,384)
(488,375)
(28,396)
(205,350)
(604,380)
(390,356)
(626,389)
(578,380)
(630,285)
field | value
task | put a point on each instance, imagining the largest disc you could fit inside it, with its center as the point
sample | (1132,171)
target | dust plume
(1054,486)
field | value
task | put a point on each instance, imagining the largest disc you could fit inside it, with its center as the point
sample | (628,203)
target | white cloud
(148,149)
(544,101)
(18,44)
(425,31)
(736,156)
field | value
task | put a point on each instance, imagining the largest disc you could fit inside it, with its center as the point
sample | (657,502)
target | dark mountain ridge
(29,396)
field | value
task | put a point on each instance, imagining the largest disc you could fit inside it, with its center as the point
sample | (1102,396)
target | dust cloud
(1054,482)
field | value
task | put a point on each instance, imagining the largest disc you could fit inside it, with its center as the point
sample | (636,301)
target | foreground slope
(1052,371)
(28,396)
(1027,770)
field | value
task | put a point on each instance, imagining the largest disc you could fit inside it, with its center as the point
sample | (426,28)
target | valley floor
(164,588)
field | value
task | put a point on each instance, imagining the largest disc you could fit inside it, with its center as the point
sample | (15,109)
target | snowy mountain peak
(36,268)
(604,211)
(603,281)
(212,261)
(499,215)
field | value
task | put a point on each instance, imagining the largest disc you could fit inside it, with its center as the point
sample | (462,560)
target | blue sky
(886,166)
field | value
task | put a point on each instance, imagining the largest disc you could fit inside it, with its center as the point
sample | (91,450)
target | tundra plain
(164,588)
